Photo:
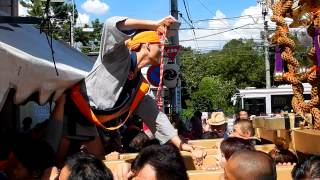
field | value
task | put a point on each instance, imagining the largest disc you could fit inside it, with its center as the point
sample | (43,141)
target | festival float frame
(304,13)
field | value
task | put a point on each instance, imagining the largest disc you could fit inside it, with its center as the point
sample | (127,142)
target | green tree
(241,61)
(239,64)
(62,13)
(35,7)
(89,40)
(214,93)
(303,44)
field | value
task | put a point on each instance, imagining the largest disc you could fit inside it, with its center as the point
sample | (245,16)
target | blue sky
(208,35)
(156,9)
(198,9)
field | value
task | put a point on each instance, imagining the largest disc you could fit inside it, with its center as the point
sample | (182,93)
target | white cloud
(82,19)
(22,10)
(95,7)
(247,27)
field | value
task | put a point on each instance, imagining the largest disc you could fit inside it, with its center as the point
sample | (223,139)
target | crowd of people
(32,157)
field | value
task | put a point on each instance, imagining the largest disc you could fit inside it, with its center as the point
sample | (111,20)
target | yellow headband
(143,37)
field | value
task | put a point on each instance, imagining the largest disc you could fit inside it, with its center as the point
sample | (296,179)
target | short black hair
(27,122)
(309,169)
(165,159)
(234,144)
(85,166)
(137,142)
(197,114)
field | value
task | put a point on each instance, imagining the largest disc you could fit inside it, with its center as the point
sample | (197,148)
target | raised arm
(130,24)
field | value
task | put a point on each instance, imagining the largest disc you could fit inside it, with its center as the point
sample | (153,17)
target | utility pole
(14,7)
(176,93)
(264,5)
(175,13)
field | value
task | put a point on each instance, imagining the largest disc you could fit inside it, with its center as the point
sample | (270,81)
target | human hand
(286,164)
(113,156)
(198,155)
(51,173)
(164,23)
(211,168)
(122,171)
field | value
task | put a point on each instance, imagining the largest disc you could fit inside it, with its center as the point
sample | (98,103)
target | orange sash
(86,110)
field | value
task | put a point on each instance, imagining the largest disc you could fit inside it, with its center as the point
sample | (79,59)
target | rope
(158,96)
(286,45)
(45,19)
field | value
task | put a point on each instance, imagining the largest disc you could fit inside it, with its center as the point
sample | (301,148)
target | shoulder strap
(85,109)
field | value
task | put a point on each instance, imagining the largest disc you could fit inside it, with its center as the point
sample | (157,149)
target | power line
(235,17)
(223,40)
(192,26)
(203,28)
(187,12)
(210,10)
(232,29)
(206,7)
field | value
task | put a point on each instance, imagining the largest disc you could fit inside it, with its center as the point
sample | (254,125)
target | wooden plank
(206,143)
(265,148)
(128,156)
(306,141)
(209,151)
(210,160)
(113,164)
(212,151)
(205,175)
(269,123)
(283,173)
(269,135)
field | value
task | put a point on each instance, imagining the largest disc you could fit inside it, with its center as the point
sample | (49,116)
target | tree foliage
(210,79)
(90,40)
(60,12)
(213,93)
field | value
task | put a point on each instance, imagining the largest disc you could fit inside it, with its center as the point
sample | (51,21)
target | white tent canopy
(26,64)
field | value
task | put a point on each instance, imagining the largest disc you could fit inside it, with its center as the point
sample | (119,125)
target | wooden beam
(206,143)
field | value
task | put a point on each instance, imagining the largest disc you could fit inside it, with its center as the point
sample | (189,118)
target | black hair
(309,169)
(85,166)
(35,155)
(136,144)
(27,123)
(197,114)
(281,153)
(234,144)
(165,159)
